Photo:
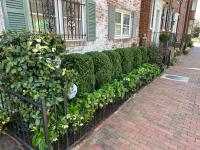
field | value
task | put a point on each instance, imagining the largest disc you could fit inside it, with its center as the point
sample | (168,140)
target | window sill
(75,43)
(121,38)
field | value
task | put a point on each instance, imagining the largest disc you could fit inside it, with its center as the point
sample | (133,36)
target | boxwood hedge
(136,57)
(102,67)
(127,59)
(116,63)
(83,65)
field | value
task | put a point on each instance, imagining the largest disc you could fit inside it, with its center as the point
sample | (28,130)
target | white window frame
(164,18)
(59,19)
(122,12)
(152,14)
(190,26)
(194,5)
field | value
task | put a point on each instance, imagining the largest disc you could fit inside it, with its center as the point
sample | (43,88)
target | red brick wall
(145,20)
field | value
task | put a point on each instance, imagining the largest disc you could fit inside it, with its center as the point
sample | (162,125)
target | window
(164,18)
(66,17)
(43,15)
(190,26)
(122,24)
(152,13)
(194,4)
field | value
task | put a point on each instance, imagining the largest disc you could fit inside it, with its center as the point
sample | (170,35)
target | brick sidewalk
(165,115)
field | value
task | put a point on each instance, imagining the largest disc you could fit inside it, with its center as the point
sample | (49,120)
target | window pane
(194,4)
(126,19)
(126,30)
(43,15)
(72,11)
(118,17)
(117,30)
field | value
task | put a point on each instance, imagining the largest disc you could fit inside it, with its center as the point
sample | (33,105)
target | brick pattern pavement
(165,115)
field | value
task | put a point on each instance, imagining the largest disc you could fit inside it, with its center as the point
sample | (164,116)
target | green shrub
(116,63)
(83,65)
(164,37)
(144,53)
(11,38)
(155,56)
(136,57)
(32,68)
(102,67)
(127,59)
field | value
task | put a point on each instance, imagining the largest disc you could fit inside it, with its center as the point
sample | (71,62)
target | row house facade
(96,25)
(86,25)
(174,16)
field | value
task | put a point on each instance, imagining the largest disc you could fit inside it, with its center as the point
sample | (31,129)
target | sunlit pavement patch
(175,78)
(198,69)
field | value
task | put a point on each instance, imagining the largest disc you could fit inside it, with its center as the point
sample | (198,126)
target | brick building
(177,17)
(190,16)
(86,25)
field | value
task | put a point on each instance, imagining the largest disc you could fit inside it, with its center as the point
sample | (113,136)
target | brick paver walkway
(165,115)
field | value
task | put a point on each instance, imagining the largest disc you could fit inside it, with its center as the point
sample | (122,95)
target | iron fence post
(45,122)
(65,113)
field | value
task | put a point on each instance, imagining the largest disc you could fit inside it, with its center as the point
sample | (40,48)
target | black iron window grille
(66,17)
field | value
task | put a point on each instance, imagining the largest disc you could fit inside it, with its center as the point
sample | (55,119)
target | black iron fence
(21,111)
(66,17)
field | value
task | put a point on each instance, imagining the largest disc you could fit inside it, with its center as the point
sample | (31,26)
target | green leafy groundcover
(81,110)
(32,65)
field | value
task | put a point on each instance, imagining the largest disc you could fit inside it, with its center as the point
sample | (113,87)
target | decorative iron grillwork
(65,17)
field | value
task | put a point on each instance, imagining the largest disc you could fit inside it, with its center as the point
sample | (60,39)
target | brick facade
(148,7)
(182,9)
(102,42)
(145,21)
(190,15)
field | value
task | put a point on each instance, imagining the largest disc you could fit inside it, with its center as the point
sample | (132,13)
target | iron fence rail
(19,128)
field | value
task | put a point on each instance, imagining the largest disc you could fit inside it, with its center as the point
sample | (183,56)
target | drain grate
(175,78)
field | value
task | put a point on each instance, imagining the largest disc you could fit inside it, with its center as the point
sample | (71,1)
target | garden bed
(37,77)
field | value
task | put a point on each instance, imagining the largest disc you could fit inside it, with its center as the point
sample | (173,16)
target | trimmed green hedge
(137,57)
(155,56)
(83,65)
(116,63)
(102,67)
(127,59)
(144,53)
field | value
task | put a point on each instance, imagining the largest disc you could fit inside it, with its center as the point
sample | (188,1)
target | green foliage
(34,68)
(188,41)
(102,68)
(3,119)
(144,52)
(116,63)
(155,56)
(127,59)
(173,61)
(196,32)
(11,38)
(164,37)
(83,65)
(25,68)
(136,57)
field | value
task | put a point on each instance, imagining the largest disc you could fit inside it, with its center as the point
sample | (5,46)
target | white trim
(123,12)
